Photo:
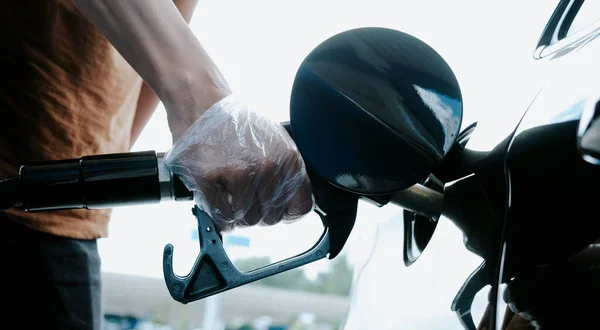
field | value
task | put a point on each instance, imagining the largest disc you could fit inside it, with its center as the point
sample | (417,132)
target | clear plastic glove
(243,169)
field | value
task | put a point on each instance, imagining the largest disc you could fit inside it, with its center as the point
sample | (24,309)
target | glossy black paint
(374,110)
(588,133)
(552,220)
(553,197)
(530,203)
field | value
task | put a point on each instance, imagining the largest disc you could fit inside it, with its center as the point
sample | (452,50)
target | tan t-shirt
(65,92)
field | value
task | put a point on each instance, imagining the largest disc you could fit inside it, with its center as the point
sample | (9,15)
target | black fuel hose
(10,193)
(93,182)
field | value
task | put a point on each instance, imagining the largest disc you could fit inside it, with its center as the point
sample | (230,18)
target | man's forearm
(148,100)
(158,43)
(146,105)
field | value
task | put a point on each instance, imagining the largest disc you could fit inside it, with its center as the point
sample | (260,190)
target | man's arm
(148,100)
(146,105)
(157,42)
(243,169)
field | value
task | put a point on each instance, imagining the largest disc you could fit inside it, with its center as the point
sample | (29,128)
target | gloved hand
(243,169)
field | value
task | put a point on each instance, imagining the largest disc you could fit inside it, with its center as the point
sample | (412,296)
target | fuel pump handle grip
(96,182)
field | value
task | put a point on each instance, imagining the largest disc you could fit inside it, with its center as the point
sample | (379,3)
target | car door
(549,255)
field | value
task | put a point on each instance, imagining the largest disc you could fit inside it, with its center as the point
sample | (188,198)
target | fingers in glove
(270,193)
(301,203)
(241,184)
(214,189)
(231,193)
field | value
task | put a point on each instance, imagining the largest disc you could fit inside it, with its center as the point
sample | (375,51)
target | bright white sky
(259,46)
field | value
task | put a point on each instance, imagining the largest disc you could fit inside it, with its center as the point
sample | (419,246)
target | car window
(587,14)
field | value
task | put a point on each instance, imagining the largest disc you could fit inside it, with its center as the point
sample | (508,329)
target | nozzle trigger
(214,273)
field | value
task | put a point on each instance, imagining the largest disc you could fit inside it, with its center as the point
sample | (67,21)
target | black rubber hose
(10,193)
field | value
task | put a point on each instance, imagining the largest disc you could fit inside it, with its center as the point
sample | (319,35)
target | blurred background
(259,45)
